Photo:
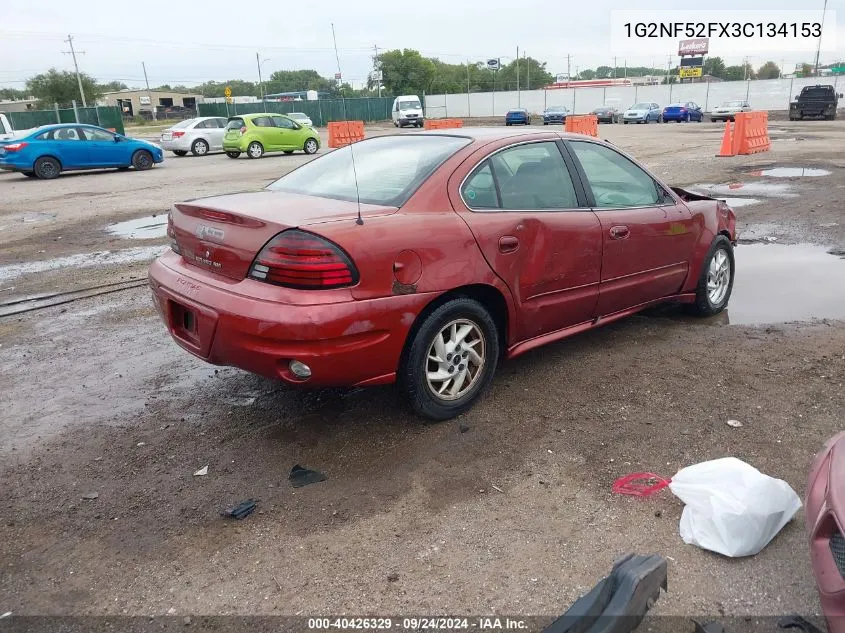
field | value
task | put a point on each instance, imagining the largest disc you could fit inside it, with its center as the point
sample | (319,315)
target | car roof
(490,134)
(252,115)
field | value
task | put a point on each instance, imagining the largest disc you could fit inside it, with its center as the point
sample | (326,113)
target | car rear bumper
(345,343)
(180,144)
(12,163)
(825,517)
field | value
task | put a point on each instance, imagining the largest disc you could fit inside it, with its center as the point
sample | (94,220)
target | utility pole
(568,68)
(517,75)
(147,81)
(614,68)
(668,68)
(819,48)
(745,68)
(527,71)
(72,53)
(260,81)
(377,66)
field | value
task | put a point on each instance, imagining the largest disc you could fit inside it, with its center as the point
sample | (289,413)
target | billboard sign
(692,62)
(686,73)
(493,64)
(697,46)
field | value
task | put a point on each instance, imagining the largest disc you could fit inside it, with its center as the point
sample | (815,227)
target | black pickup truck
(815,101)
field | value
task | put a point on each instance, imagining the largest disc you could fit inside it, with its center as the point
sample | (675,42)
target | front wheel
(451,359)
(142,160)
(716,280)
(310,146)
(255,150)
(233,154)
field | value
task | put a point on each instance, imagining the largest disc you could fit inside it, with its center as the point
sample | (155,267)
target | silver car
(199,136)
(301,118)
(728,109)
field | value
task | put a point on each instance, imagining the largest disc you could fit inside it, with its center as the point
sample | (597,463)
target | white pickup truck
(7,132)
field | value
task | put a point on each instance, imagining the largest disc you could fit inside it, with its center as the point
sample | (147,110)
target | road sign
(493,64)
(337,76)
(227,92)
(697,46)
(686,73)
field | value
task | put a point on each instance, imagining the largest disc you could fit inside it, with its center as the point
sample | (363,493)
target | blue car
(518,116)
(687,111)
(51,149)
(555,114)
(644,112)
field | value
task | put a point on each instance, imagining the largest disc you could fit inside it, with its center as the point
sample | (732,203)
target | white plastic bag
(731,507)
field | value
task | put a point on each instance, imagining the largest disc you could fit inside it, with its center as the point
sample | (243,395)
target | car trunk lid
(223,234)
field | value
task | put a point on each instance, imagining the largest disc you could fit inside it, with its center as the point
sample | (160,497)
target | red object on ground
(640,484)
(825,517)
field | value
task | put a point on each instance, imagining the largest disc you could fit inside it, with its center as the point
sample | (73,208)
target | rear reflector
(296,259)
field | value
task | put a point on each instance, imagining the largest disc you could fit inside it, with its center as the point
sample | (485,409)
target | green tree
(61,87)
(113,86)
(298,80)
(587,74)
(738,73)
(769,70)
(12,94)
(406,72)
(715,67)
(806,70)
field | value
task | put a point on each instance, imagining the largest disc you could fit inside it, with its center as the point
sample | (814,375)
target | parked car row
(643,112)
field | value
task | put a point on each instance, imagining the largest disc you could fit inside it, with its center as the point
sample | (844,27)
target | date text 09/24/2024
(723,29)
(417,623)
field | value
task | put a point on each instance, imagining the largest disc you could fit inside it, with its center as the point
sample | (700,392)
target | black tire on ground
(288,151)
(412,378)
(545,122)
(703,306)
(200,147)
(713,119)
(180,152)
(233,154)
(123,169)
(142,160)
(29,174)
(255,150)
(507,123)
(310,146)
(47,168)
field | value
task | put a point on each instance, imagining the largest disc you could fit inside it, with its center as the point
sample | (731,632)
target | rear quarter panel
(711,223)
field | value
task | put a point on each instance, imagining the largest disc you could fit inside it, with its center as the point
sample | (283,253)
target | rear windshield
(822,92)
(389,169)
(184,123)
(235,124)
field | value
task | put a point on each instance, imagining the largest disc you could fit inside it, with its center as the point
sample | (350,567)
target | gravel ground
(514,515)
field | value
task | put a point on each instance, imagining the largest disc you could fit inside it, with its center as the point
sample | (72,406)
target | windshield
(409,105)
(641,106)
(298,115)
(733,104)
(556,109)
(389,169)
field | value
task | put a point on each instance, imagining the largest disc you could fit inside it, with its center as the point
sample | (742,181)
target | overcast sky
(189,42)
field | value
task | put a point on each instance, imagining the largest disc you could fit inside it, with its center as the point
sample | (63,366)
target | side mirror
(117,138)
(840,95)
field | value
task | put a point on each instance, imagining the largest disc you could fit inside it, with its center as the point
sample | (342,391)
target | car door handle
(508,244)
(619,232)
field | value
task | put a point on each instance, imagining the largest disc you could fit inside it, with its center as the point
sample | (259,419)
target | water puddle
(760,189)
(790,172)
(733,203)
(146,228)
(760,232)
(778,283)
(82,260)
(30,218)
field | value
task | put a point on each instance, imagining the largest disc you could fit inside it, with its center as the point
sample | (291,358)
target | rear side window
(221,122)
(479,191)
(235,124)
(262,121)
(616,182)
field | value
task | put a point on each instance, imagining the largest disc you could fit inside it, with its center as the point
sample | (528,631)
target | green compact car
(263,132)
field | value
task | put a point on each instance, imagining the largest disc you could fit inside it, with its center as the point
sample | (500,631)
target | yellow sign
(685,73)
(228,91)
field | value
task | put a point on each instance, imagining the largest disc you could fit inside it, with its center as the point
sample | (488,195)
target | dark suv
(815,101)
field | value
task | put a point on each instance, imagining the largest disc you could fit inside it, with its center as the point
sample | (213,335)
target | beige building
(19,105)
(142,102)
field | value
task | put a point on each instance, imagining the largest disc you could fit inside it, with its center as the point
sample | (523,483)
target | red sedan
(424,258)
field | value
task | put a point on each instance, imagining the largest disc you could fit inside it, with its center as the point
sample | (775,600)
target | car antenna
(360,220)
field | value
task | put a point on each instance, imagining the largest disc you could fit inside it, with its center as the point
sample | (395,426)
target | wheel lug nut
(461,366)
(448,357)
(451,370)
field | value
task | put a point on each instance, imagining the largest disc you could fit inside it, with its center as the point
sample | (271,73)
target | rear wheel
(716,280)
(199,147)
(310,146)
(179,152)
(47,168)
(142,160)
(255,150)
(29,174)
(288,151)
(451,359)
(233,154)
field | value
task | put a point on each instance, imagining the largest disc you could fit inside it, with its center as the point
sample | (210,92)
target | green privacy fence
(107,117)
(320,112)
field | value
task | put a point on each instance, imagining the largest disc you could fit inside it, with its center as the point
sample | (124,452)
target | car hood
(636,112)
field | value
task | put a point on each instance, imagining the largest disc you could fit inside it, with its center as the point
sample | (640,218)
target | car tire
(506,123)
(180,152)
(29,174)
(288,151)
(142,160)
(123,168)
(624,122)
(255,150)
(310,146)
(416,365)
(47,168)
(715,283)
(233,154)
(199,147)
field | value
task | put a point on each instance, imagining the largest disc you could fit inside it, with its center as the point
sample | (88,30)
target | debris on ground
(202,471)
(300,476)
(186,621)
(171,611)
(639,484)
(798,622)
(499,489)
(463,428)
(394,577)
(731,507)
(242,510)
(710,627)
(90,496)
(622,598)
(734,423)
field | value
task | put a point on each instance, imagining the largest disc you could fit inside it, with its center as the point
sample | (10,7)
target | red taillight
(243,130)
(15,147)
(296,259)
(171,233)
(178,134)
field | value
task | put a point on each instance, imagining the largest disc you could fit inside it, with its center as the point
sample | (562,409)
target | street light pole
(819,48)
(260,81)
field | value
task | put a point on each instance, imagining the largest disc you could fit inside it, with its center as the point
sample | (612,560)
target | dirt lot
(513,516)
